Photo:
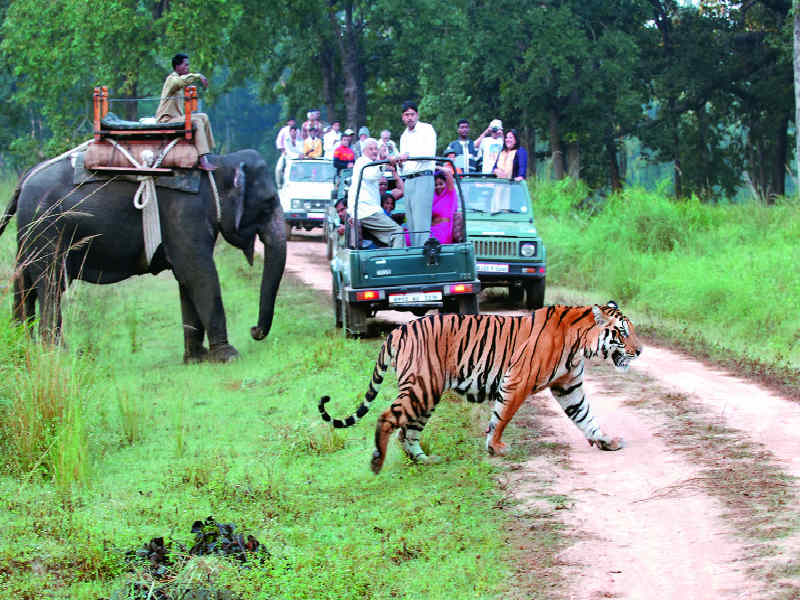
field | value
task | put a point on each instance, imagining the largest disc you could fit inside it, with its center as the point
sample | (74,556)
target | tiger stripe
(502,358)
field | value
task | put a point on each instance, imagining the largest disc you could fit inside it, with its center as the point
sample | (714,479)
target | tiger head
(617,339)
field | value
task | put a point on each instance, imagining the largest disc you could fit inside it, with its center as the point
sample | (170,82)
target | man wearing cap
(490,147)
(312,122)
(363,134)
(418,140)
(464,149)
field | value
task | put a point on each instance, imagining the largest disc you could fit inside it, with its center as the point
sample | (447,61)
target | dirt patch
(700,504)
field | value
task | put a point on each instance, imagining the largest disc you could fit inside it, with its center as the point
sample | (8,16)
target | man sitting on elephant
(171,107)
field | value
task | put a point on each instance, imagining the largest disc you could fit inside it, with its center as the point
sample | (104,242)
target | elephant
(92,232)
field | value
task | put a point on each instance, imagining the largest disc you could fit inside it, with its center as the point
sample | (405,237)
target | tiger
(502,358)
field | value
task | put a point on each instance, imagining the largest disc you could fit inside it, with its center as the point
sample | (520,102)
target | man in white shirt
(293,145)
(419,139)
(370,213)
(331,139)
(283,134)
(490,147)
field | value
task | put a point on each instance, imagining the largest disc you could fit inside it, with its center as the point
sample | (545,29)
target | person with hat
(418,140)
(313,122)
(489,147)
(464,149)
(363,134)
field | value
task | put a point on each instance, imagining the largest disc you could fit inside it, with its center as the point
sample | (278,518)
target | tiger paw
(497,448)
(612,444)
(377,462)
(428,460)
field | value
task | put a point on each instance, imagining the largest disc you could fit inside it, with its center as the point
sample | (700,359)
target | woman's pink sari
(444,207)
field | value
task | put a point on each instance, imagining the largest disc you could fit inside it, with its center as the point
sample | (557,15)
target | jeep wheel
(288,231)
(515,294)
(468,305)
(449,305)
(355,320)
(534,293)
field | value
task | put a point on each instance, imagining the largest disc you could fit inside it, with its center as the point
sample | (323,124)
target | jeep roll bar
(435,159)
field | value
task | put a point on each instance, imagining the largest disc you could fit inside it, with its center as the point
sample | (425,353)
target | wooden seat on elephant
(116,141)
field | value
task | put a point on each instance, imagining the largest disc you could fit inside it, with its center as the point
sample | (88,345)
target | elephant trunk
(273,236)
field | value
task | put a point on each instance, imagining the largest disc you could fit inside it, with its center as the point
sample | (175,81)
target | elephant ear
(239,187)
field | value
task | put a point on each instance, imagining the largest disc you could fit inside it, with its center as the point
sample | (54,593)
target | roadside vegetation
(721,278)
(112,442)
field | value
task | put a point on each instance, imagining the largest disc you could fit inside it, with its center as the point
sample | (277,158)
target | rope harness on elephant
(146,199)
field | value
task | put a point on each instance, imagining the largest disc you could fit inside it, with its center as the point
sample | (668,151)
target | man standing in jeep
(419,139)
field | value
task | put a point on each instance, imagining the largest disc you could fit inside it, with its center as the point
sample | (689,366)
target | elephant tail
(11,209)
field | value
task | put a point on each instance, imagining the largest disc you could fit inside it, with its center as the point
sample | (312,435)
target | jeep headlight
(297,203)
(527,249)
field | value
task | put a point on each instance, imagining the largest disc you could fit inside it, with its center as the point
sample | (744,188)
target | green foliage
(169,444)
(42,400)
(719,273)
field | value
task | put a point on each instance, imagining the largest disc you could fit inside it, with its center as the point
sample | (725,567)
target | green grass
(724,275)
(166,444)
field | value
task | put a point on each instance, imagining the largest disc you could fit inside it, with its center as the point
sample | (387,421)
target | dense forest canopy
(706,87)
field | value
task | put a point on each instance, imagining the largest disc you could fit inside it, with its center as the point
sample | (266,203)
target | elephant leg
(193,330)
(201,290)
(49,289)
(24,298)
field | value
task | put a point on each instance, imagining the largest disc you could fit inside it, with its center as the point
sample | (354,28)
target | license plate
(491,268)
(415,297)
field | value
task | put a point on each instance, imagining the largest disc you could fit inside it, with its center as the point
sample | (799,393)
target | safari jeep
(412,278)
(508,249)
(304,188)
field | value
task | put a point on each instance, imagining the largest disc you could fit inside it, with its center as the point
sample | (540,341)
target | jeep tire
(355,320)
(534,293)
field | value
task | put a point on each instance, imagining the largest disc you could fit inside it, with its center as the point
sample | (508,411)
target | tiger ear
(600,318)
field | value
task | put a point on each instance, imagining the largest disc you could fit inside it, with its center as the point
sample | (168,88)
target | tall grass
(42,425)
(726,274)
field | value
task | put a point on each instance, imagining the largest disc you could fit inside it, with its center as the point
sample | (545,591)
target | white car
(305,187)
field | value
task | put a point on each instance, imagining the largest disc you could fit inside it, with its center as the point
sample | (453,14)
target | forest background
(696,98)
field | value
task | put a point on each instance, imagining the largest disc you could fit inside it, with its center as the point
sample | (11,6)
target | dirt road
(702,502)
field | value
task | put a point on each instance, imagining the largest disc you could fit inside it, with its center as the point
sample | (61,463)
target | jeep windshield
(321,172)
(495,196)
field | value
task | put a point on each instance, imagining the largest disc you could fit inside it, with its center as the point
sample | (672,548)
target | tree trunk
(574,160)
(780,164)
(556,153)
(355,99)
(613,165)
(328,73)
(796,10)
(676,154)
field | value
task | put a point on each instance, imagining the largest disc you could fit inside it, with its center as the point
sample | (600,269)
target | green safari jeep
(508,249)
(368,277)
